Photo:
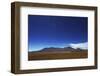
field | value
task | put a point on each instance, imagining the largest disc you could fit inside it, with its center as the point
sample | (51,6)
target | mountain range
(56,49)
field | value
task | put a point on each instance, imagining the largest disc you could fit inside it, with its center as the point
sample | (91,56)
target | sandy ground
(57,55)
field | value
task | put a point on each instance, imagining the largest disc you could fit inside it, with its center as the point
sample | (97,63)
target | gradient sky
(55,31)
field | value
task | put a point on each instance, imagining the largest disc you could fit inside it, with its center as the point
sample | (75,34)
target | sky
(56,31)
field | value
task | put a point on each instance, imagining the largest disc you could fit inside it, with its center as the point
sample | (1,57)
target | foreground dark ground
(57,53)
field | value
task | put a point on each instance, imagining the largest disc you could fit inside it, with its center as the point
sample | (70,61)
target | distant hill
(56,49)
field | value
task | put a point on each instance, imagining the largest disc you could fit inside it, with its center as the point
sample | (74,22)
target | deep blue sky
(55,31)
